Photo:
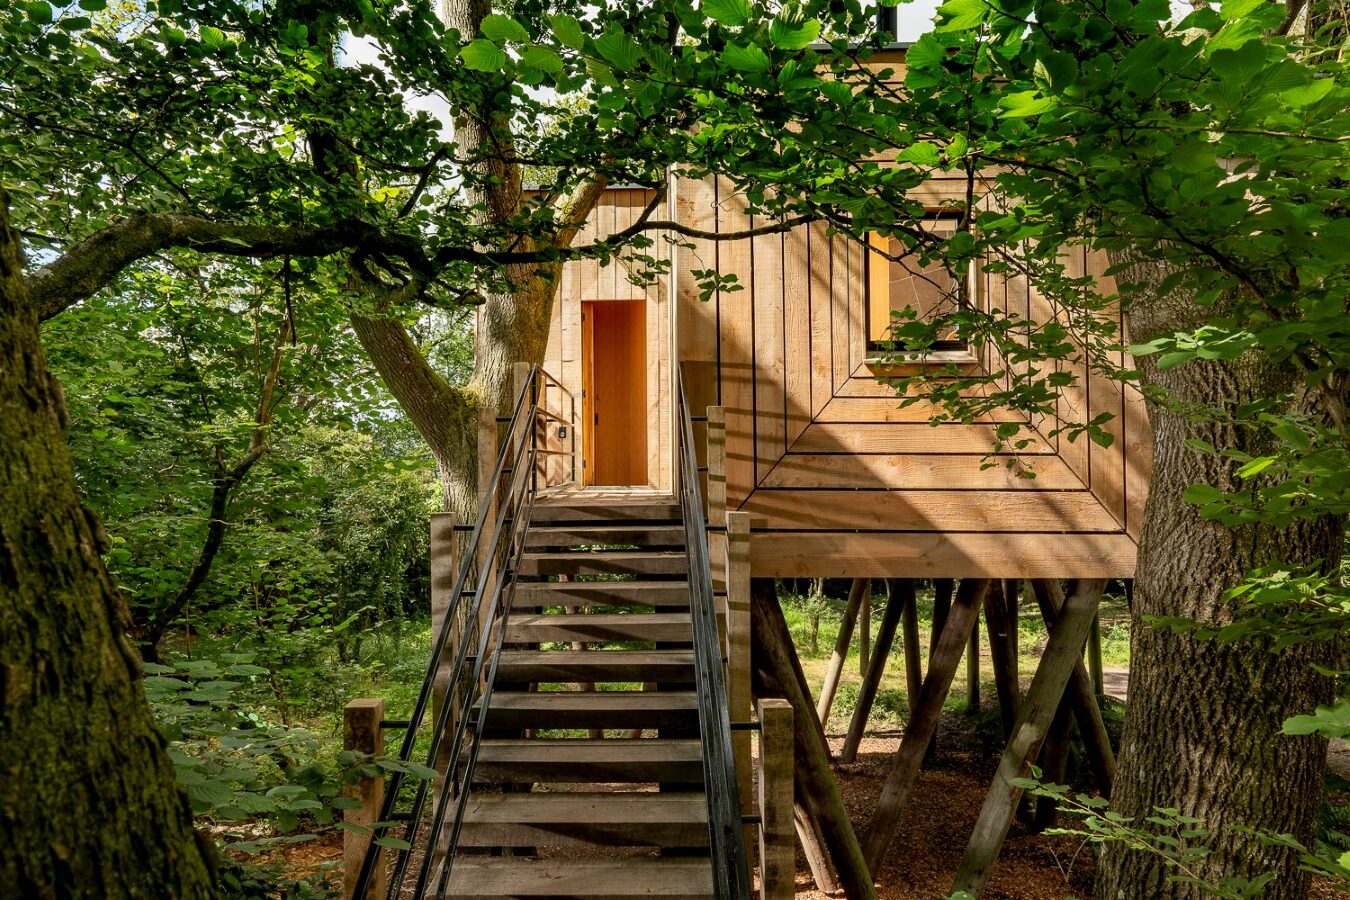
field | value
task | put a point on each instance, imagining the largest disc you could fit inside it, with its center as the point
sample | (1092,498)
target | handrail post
(488,446)
(717,494)
(361,732)
(777,836)
(445,693)
(739,705)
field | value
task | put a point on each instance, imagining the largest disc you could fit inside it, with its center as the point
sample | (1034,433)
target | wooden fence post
(777,857)
(737,561)
(361,732)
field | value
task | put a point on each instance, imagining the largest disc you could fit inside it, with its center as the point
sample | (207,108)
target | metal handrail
(523,449)
(726,838)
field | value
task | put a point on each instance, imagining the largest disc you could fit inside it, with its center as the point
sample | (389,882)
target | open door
(614,391)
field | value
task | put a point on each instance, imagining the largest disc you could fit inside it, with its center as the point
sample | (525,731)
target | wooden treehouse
(592,707)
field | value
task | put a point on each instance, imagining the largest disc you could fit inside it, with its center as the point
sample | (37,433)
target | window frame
(878,299)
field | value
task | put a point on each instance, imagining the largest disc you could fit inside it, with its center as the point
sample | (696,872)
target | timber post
(973,672)
(856,595)
(717,495)
(488,445)
(1001,642)
(778,673)
(1063,652)
(361,732)
(444,552)
(923,721)
(1094,655)
(777,849)
(737,544)
(1083,701)
(899,592)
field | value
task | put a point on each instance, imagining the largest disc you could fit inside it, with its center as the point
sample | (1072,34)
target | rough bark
(88,804)
(1203,729)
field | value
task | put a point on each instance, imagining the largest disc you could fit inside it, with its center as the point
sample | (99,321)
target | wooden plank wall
(837,478)
(588,280)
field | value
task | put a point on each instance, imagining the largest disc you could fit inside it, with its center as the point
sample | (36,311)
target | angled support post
(777,862)
(444,569)
(857,596)
(361,732)
(899,591)
(923,720)
(1062,653)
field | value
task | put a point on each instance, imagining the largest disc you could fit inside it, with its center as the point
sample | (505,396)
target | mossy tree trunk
(1202,732)
(88,804)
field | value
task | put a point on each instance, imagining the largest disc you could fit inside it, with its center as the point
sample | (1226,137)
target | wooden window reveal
(895,285)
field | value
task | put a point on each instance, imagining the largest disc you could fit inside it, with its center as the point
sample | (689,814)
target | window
(893,285)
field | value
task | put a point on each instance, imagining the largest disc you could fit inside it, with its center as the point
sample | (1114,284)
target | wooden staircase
(588,780)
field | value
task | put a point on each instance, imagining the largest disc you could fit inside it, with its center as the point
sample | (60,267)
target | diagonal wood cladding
(838,479)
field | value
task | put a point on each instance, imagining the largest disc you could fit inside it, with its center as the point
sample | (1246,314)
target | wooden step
(600,512)
(615,819)
(604,562)
(588,761)
(592,709)
(635,878)
(576,666)
(602,593)
(674,627)
(635,534)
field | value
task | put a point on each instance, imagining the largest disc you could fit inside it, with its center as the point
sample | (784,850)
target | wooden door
(614,381)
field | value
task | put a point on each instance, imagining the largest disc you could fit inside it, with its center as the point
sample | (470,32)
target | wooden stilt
(899,592)
(836,667)
(1082,699)
(942,604)
(1062,653)
(973,672)
(1054,764)
(813,848)
(913,663)
(923,720)
(1094,656)
(865,629)
(1005,671)
(361,732)
(777,672)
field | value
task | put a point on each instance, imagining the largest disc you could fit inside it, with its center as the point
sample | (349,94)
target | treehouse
(676,451)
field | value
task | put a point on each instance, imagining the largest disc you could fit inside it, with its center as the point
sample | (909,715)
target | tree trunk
(1202,732)
(88,806)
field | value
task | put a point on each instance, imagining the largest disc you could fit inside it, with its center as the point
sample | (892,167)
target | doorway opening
(614,392)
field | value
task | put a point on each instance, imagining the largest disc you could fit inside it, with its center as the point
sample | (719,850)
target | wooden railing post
(739,704)
(777,834)
(361,732)
(717,495)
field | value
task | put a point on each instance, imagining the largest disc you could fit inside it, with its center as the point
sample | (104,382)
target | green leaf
(1202,493)
(542,58)
(1328,721)
(501,29)
(727,12)
(1307,94)
(1237,9)
(1027,103)
(921,154)
(40,12)
(1256,466)
(482,55)
(93,5)
(793,37)
(746,59)
(962,15)
(619,49)
(567,29)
